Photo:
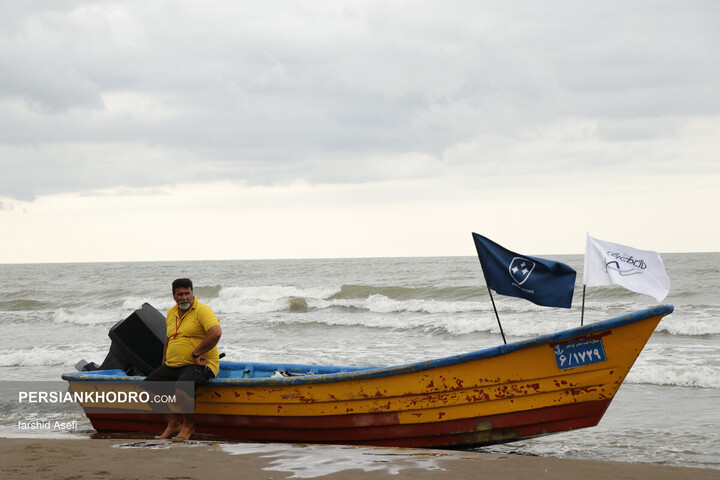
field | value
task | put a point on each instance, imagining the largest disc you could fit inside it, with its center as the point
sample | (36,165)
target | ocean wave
(698,325)
(378,303)
(450,294)
(274,298)
(207,291)
(130,304)
(532,320)
(23,305)
(267,299)
(93,317)
(700,376)
(458,324)
(50,356)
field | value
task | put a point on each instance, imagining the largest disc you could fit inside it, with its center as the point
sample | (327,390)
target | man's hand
(201,360)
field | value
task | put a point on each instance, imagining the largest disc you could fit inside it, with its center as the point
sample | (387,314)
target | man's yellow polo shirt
(185,334)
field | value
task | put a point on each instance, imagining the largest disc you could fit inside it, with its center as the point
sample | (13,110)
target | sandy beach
(150,459)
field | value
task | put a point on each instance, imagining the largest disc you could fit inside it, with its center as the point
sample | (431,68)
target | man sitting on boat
(190,355)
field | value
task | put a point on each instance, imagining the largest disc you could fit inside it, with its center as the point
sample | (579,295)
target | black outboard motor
(137,344)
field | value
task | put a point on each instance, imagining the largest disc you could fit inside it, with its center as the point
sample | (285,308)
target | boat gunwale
(366,373)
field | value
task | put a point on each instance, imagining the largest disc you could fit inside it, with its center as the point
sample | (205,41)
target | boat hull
(463,433)
(549,384)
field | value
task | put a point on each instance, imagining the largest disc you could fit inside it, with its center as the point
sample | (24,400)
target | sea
(378,311)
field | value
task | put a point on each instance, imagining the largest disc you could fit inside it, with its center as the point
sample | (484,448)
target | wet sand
(84,458)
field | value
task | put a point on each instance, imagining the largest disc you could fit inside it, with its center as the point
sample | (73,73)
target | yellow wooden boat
(551,383)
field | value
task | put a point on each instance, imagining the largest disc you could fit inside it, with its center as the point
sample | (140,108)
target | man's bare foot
(170,430)
(185,433)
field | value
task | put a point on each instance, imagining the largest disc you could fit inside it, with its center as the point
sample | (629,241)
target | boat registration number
(579,353)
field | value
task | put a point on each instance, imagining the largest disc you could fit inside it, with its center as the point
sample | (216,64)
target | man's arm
(212,336)
(165,351)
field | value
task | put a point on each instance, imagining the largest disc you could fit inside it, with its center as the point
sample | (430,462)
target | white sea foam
(133,303)
(264,299)
(700,376)
(312,461)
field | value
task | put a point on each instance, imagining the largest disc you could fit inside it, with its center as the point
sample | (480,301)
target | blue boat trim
(326,374)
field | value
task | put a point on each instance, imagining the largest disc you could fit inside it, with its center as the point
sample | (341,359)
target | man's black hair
(182,283)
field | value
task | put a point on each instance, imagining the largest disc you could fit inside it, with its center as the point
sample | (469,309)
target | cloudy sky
(172,130)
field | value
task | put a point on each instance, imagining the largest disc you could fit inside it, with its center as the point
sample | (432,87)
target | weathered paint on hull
(496,395)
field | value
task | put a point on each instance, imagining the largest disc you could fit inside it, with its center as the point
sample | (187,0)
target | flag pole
(582,312)
(497,316)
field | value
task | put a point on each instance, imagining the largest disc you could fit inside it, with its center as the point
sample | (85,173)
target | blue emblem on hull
(579,353)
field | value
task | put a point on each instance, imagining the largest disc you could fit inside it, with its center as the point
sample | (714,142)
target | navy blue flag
(543,282)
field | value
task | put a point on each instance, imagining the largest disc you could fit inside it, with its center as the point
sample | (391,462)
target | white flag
(641,271)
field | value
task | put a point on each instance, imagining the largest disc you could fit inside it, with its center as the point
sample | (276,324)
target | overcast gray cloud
(101,94)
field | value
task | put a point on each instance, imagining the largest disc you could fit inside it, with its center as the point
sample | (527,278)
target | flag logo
(614,265)
(641,271)
(632,264)
(520,269)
